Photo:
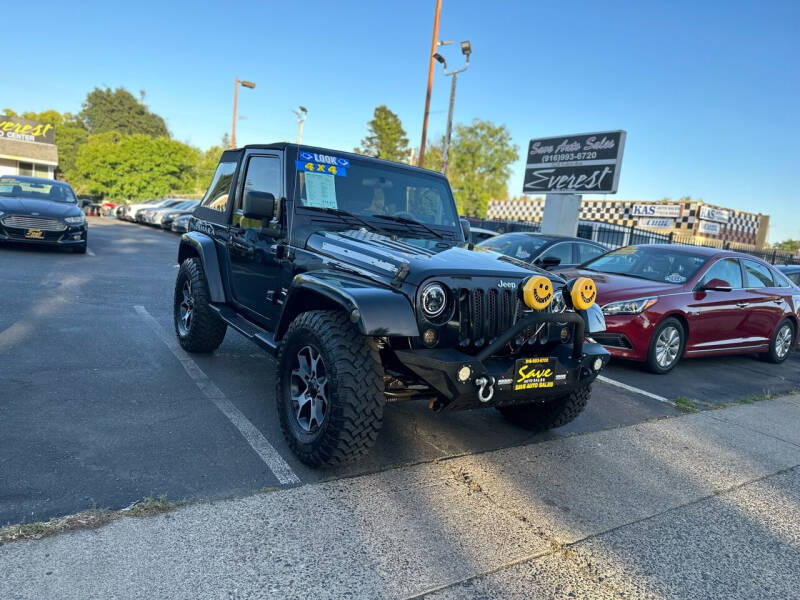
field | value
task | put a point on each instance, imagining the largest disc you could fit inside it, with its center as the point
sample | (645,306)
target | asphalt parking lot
(98,408)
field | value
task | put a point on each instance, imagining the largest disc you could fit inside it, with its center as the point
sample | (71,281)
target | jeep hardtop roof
(291,146)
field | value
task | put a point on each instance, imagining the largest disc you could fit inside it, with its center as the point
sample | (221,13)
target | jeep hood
(426,258)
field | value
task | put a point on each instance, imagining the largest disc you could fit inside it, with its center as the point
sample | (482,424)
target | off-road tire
(206,330)
(355,389)
(549,414)
(772,354)
(652,361)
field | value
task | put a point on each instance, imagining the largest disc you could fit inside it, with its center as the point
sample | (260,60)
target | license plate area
(34,234)
(534,373)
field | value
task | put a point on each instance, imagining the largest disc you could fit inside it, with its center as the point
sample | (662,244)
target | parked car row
(170,214)
(663,302)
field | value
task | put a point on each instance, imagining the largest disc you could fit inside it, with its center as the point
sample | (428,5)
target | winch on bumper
(466,381)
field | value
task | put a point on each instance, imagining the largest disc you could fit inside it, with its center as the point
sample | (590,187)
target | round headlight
(558,305)
(434,300)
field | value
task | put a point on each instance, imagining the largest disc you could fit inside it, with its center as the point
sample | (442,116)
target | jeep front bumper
(465,381)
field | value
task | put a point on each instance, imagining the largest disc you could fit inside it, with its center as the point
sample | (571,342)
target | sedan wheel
(783,341)
(666,346)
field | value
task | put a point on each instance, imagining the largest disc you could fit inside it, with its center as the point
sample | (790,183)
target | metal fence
(615,236)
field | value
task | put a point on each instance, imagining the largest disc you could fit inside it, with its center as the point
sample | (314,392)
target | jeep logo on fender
(511,285)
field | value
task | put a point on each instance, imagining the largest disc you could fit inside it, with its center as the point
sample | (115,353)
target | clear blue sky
(708,91)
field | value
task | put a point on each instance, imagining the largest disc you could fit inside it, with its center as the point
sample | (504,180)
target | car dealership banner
(587,163)
(25,130)
(657,223)
(709,227)
(671,211)
(719,215)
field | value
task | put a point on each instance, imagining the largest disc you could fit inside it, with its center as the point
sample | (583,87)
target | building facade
(27,147)
(685,220)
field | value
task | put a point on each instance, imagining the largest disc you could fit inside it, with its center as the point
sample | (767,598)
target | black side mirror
(548,262)
(716,285)
(466,229)
(258,205)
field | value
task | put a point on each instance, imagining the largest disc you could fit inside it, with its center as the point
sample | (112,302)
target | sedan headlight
(433,300)
(629,307)
(80,220)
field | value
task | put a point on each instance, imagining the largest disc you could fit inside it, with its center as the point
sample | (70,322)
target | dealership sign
(708,227)
(25,130)
(574,164)
(714,214)
(657,223)
(672,211)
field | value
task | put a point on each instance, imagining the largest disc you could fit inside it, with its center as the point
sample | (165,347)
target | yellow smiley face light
(537,292)
(583,293)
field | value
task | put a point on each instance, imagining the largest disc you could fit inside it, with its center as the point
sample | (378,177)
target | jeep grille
(485,314)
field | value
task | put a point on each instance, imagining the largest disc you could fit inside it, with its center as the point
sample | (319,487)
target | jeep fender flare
(376,310)
(202,246)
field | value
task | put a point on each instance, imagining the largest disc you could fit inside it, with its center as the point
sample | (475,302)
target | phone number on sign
(569,156)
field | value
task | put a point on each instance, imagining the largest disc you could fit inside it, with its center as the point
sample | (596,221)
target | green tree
(117,110)
(69,140)
(789,245)
(385,137)
(480,158)
(134,167)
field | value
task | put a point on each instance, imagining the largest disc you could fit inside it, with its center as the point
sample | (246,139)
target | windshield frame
(303,223)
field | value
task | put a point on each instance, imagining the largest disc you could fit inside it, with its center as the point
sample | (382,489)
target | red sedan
(663,302)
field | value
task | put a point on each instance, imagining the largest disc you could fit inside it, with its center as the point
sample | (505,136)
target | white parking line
(90,252)
(635,390)
(274,461)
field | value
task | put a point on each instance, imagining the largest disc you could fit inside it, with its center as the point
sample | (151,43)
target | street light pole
(466,49)
(430,84)
(301,114)
(446,149)
(237,82)
(235,102)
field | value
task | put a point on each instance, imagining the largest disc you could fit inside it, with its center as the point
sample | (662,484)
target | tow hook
(482,383)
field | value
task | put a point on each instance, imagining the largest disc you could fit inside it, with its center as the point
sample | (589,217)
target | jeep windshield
(400,201)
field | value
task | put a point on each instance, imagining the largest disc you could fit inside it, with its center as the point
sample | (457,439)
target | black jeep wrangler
(356,273)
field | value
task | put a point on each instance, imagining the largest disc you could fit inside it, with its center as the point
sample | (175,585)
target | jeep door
(252,246)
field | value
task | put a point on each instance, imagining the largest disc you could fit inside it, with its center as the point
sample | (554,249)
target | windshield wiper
(410,221)
(343,215)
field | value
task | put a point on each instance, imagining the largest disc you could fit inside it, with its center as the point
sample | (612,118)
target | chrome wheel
(783,341)
(667,347)
(186,308)
(309,389)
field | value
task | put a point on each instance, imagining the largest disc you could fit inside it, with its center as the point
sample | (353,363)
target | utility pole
(301,114)
(430,84)
(466,50)
(237,82)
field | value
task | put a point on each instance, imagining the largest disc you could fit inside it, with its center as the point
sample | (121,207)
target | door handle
(742,304)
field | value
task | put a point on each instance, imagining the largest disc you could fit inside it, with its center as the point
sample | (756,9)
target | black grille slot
(485,314)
